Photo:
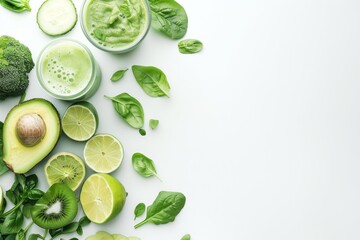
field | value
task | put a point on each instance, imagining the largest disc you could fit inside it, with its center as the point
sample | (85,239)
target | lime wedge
(80,121)
(65,168)
(102,197)
(103,153)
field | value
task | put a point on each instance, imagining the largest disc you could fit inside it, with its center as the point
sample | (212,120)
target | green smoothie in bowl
(67,70)
(115,25)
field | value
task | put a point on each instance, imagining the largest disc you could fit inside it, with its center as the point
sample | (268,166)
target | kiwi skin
(58,192)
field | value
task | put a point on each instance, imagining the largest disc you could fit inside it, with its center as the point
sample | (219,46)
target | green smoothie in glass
(67,70)
(115,25)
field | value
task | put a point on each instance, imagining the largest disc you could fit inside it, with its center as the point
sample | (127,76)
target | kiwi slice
(56,208)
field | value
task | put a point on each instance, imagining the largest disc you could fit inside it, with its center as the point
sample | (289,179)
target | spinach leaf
(153,123)
(3,167)
(16,5)
(189,46)
(144,165)
(142,132)
(186,237)
(152,80)
(169,17)
(13,222)
(164,209)
(139,210)
(20,235)
(129,109)
(118,75)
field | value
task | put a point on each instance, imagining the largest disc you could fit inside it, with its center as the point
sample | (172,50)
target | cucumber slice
(57,17)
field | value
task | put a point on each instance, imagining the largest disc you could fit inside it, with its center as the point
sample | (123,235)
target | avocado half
(22,153)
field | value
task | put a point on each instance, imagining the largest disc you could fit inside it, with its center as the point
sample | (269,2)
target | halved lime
(103,153)
(65,167)
(80,121)
(102,197)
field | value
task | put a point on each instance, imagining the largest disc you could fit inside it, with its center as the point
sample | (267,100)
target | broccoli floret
(15,63)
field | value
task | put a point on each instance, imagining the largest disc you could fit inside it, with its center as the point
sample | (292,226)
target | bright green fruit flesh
(31,131)
(46,214)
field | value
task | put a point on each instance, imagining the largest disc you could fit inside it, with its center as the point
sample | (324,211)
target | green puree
(116,23)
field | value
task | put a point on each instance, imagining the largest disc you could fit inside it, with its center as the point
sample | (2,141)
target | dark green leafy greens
(188,46)
(186,237)
(164,209)
(129,109)
(142,132)
(152,80)
(169,17)
(22,194)
(3,167)
(118,75)
(139,210)
(153,123)
(16,5)
(144,165)
(71,228)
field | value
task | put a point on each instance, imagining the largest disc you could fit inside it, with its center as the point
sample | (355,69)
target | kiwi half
(61,197)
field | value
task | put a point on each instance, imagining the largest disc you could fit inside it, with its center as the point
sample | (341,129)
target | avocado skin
(20,158)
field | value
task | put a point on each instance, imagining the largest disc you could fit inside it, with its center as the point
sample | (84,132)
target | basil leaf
(27,210)
(144,165)
(189,46)
(84,221)
(139,210)
(35,194)
(20,235)
(30,182)
(169,17)
(152,80)
(11,237)
(13,222)
(35,237)
(3,167)
(164,209)
(186,237)
(153,123)
(129,109)
(118,75)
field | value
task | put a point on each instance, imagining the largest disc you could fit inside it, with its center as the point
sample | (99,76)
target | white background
(261,131)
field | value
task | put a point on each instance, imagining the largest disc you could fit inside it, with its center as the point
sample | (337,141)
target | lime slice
(119,237)
(65,168)
(80,121)
(103,153)
(101,235)
(102,197)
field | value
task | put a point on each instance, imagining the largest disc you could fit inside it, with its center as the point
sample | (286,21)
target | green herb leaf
(3,167)
(152,80)
(169,17)
(118,75)
(16,5)
(189,46)
(20,235)
(139,210)
(27,210)
(129,109)
(13,222)
(164,209)
(144,165)
(142,132)
(35,237)
(84,221)
(35,194)
(153,123)
(186,237)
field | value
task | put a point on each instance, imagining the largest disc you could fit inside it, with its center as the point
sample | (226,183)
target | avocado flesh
(18,157)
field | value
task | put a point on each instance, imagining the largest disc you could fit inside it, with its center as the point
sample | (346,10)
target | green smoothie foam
(66,69)
(115,24)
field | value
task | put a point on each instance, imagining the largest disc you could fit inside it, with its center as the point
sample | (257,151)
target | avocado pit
(30,129)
